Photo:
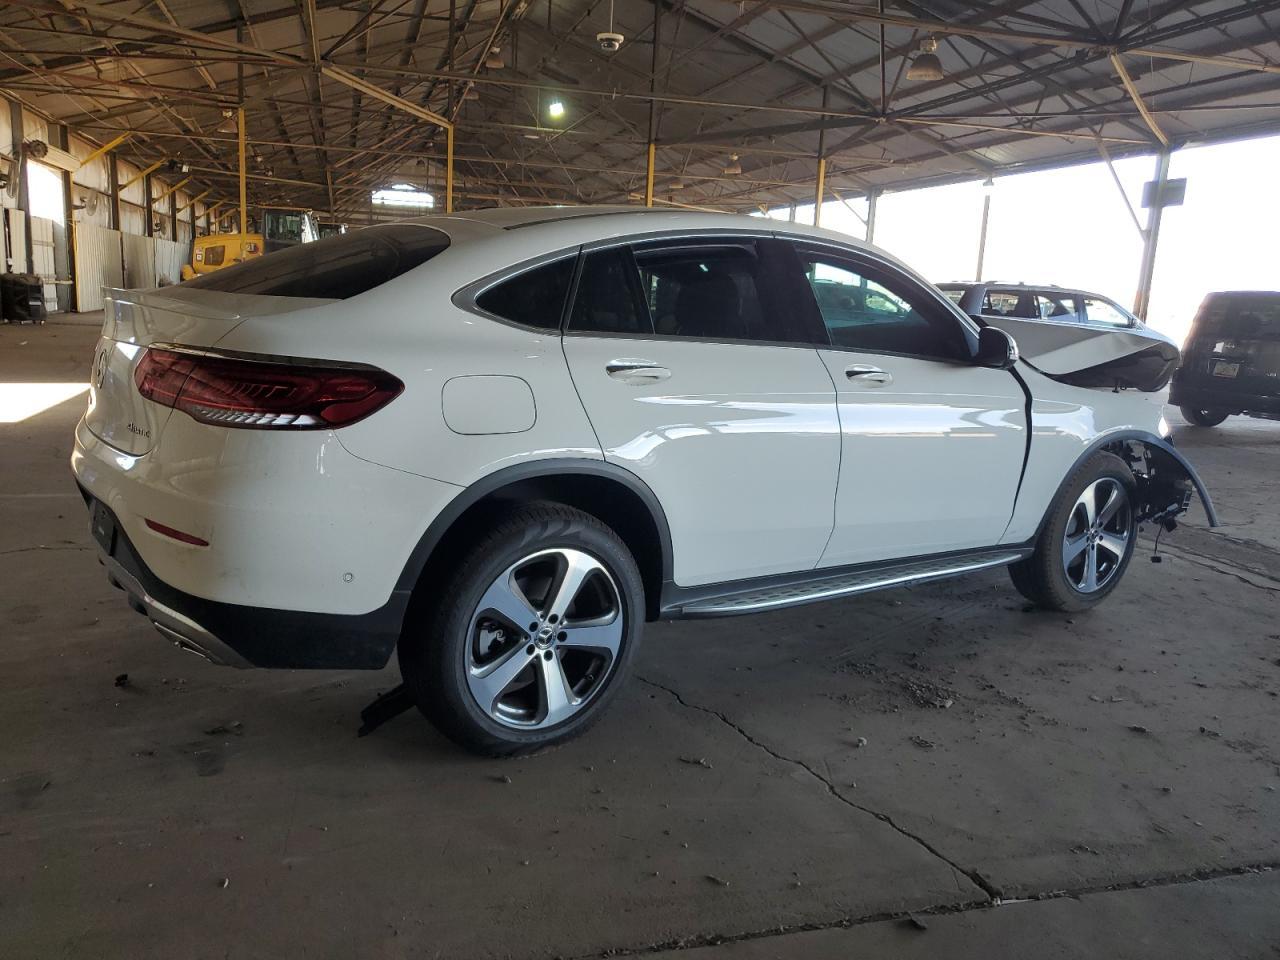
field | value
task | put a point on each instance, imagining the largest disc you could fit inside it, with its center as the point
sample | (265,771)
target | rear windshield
(1241,315)
(334,268)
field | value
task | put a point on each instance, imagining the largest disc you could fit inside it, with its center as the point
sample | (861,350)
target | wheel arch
(1171,470)
(615,496)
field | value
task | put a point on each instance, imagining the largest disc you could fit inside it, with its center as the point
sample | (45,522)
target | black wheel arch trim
(1152,441)
(535,470)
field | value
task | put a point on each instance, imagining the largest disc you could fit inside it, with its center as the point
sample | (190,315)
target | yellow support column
(448,169)
(648,177)
(244,223)
(822,188)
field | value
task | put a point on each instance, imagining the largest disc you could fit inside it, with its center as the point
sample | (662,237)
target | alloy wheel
(544,638)
(1097,535)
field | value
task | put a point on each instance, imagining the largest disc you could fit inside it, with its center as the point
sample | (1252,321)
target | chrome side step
(846,585)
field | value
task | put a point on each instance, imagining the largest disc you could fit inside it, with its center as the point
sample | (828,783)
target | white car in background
(497,443)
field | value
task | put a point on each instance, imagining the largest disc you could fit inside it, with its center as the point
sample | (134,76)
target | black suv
(1023,301)
(1231,361)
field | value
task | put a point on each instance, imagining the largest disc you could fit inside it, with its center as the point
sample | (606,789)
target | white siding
(99,262)
(139,261)
(170,256)
(43,259)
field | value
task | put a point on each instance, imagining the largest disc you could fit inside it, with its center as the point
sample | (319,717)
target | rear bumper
(241,636)
(1211,397)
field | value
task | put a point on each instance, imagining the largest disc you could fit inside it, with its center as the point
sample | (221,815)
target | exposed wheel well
(611,501)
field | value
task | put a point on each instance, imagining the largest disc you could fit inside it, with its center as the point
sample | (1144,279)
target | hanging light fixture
(228,124)
(926,65)
(471,94)
(555,109)
(494,60)
(676,184)
(733,168)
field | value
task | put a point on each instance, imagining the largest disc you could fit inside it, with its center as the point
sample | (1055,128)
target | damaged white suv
(497,443)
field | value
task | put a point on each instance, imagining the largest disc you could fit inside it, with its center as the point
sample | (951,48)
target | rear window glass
(534,298)
(334,268)
(1241,315)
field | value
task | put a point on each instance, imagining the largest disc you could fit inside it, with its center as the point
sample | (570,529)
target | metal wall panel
(43,261)
(17,254)
(170,256)
(139,261)
(99,263)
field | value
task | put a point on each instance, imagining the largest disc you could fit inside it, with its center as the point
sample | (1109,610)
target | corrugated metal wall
(139,261)
(170,256)
(43,261)
(99,261)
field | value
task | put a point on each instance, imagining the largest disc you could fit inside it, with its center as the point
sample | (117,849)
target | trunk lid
(135,319)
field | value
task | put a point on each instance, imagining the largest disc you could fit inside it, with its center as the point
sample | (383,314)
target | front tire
(530,638)
(1203,418)
(1087,542)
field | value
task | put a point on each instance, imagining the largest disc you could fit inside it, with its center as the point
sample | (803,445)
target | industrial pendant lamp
(926,65)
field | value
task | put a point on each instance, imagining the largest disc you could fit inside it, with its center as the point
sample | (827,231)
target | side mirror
(996,349)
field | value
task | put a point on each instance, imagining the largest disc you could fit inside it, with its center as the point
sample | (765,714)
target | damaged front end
(1166,481)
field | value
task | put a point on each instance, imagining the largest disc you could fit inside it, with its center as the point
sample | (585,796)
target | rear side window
(334,268)
(1056,306)
(607,299)
(534,298)
(1105,312)
(709,292)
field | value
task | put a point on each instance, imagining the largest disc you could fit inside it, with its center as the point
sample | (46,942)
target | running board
(775,597)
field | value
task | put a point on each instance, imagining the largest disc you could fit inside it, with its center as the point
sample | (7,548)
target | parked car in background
(1231,360)
(496,443)
(1072,335)
(1047,302)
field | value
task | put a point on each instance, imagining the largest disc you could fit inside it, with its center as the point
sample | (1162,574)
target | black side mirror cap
(996,349)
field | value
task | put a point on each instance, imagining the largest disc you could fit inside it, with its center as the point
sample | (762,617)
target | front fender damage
(1166,481)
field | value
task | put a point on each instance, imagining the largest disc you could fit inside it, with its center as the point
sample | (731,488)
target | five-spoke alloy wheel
(544,638)
(1086,540)
(531,634)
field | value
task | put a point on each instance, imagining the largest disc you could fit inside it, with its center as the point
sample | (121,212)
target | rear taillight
(263,394)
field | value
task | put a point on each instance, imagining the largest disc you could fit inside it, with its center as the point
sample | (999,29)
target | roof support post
(448,169)
(873,199)
(244,223)
(653,106)
(1151,236)
(820,188)
(113,191)
(982,231)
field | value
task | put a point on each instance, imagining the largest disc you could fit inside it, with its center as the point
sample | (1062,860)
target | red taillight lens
(239,392)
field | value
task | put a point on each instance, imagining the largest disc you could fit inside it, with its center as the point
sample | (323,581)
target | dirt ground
(929,772)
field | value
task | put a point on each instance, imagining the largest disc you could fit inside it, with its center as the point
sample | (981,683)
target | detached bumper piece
(235,635)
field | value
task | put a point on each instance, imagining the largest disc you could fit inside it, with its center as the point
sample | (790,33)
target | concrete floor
(1030,784)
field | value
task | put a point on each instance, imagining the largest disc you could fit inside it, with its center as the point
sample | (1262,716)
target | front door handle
(869,375)
(637,372)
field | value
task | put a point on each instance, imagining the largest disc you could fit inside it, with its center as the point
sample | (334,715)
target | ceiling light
(228,125)
(926,65)
(494,60)
(471,94)
(676,184)
(555,109)
(733,168)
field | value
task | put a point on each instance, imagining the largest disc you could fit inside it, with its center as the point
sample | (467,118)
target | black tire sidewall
(1203,418)
(434,662)
(1097,467)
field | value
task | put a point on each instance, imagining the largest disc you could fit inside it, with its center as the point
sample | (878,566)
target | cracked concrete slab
(920,750)
(1209,920)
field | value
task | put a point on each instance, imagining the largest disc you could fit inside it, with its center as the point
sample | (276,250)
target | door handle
(637,372)
(871,376)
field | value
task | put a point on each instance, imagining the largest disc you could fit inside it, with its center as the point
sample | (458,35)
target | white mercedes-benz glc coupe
(496,443)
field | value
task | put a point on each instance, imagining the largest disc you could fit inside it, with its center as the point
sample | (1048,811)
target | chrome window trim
(265,358)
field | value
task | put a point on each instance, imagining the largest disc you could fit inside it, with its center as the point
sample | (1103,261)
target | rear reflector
(176,534)
(263,394)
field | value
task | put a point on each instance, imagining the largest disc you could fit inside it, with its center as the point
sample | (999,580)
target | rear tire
(530,638)
(1203,418)
(1087,540)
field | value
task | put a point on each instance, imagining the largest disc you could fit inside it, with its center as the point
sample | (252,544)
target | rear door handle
(869,375)
(637,372)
